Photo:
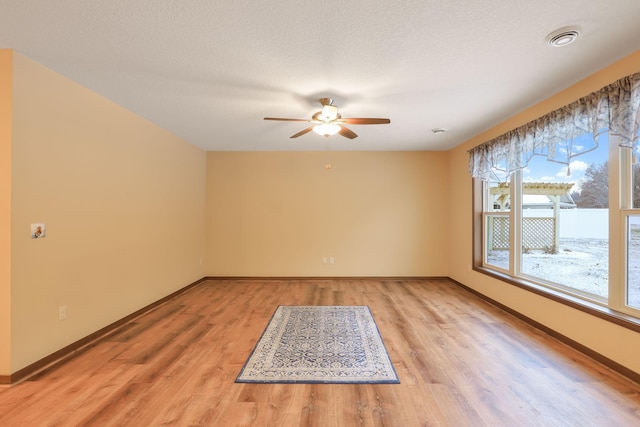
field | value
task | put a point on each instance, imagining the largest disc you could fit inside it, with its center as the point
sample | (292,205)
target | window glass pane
(497,240)
(496,227)
(499,198)
(565,222)
(635,185)
(633,261)
(635,176)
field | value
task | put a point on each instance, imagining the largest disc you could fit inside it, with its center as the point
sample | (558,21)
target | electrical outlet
(62,312)
(331,260)
(324,259)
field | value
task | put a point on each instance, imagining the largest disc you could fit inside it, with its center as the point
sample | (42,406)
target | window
(631,218)
(563,224)
(560,200)
(633,261)
(496,224)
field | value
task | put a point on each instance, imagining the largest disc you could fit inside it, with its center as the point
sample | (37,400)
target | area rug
(320,344)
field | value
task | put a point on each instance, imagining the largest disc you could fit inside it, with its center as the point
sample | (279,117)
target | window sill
(593,309)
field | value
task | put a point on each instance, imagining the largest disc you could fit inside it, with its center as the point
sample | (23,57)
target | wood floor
(461,362)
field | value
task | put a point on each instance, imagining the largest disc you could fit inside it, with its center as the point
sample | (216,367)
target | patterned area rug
(320,344)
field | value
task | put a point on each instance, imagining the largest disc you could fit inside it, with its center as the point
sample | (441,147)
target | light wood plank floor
(461,362)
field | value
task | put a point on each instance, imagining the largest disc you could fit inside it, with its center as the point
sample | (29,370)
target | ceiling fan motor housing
(329,113)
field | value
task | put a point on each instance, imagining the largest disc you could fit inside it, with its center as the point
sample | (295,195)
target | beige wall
(131,211)
(279,214)
(5,210)
(123,202)
(614,342)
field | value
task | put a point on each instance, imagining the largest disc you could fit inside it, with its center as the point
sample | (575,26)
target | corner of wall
(6,74)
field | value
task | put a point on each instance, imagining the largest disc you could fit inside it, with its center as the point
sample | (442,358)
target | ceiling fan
(329,122)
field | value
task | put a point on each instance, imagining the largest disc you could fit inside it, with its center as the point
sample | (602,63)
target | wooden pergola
(554,191)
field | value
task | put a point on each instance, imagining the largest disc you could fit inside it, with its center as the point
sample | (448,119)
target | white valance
(560,135)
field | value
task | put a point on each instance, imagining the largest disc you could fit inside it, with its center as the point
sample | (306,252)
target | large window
(560,200)
(562,237)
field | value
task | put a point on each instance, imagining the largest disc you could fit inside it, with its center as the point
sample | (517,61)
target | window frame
(614,309)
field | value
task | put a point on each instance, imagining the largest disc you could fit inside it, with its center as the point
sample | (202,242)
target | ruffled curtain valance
(560,135)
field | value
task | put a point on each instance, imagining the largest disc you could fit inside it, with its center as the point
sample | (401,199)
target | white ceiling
(209,71)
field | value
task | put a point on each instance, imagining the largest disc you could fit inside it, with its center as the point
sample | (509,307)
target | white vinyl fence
(578,223)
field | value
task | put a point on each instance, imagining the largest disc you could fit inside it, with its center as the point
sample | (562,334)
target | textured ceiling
(209,71)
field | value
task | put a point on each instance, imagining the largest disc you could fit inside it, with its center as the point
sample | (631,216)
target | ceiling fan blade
(302,132)
(286,120)
(365,121)
(347,133)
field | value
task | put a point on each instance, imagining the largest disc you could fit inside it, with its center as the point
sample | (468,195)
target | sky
(540,169)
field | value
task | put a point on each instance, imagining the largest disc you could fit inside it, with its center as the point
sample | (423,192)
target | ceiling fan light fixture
(326,129)
(328,122)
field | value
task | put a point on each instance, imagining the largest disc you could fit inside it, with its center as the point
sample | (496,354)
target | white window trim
(620,200)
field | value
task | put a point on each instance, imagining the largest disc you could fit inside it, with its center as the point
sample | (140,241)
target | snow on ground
(580,263)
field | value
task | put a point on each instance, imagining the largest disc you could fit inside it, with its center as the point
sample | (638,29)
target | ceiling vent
(563,37)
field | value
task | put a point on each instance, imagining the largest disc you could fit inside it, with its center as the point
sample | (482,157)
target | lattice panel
(538,233)
(500,232)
